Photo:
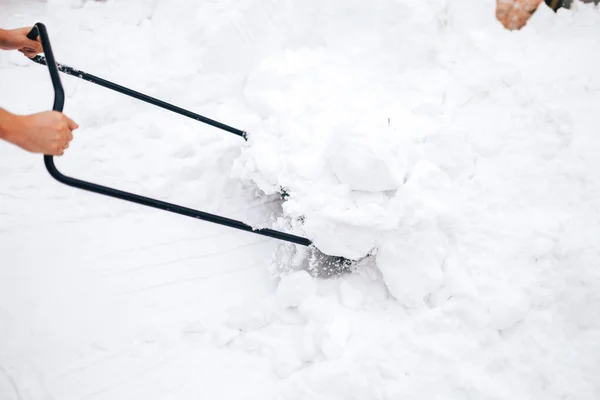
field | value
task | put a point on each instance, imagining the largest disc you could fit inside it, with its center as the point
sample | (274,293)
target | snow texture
(457,160)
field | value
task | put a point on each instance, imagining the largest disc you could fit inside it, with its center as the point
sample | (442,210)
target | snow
(460,158)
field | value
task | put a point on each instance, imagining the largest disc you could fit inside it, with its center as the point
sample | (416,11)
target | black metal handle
(59,100)
(59,93)
(33,33)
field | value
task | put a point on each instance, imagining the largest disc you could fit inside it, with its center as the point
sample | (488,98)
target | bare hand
(514,14)
(16,39)
(49,132)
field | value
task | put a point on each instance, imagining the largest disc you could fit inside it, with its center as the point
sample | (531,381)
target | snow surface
(461,157)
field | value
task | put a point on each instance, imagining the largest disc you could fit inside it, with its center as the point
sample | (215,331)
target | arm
(49,132)
(16,39)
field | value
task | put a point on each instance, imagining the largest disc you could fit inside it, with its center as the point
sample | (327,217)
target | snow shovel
(332,265)
(59,98)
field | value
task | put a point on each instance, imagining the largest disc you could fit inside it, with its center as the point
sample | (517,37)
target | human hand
(514,14)
(16,39)
(48,132)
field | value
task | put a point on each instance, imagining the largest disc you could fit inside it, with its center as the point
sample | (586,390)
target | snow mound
(425,134)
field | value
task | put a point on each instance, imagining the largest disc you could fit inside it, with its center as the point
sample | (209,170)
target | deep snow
(463,158)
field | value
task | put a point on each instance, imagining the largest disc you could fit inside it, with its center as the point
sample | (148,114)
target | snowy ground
(461,157)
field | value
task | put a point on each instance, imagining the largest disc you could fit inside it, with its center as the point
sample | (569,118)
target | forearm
(3,39)
(7,121)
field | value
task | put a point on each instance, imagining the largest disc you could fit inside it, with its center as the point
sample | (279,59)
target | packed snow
(455,160)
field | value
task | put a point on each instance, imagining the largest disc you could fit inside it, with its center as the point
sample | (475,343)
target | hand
(49,132)
(514,14)
(16,39)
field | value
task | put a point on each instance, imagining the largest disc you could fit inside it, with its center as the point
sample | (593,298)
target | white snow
(462,158)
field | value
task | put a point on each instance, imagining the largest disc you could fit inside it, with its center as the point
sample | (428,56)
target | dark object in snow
(59,98)
(556,4)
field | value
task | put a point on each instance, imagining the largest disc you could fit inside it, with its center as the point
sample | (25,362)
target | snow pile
(424,135)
